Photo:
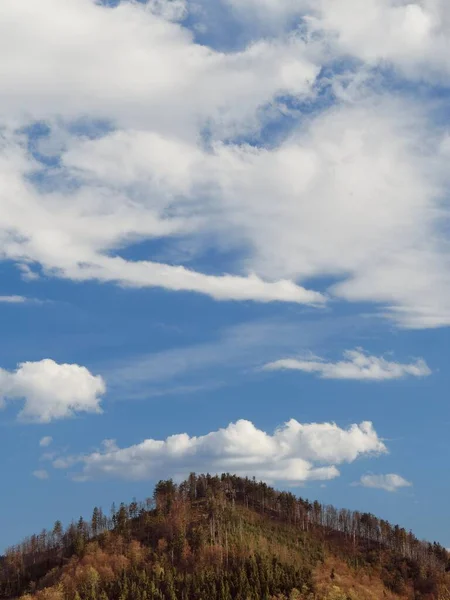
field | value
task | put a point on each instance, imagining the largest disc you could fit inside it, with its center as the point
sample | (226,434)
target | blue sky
(224,244)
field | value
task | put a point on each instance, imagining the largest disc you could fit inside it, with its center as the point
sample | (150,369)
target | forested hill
(224,538)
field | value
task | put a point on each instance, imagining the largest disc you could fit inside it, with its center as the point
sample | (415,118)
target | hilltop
(225,538)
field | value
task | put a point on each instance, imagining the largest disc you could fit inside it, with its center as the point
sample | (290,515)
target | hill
(225,538)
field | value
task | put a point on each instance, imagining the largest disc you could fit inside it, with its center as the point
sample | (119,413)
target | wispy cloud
(357,365)
(20,300)
(13,299)
(241,349)
(390,482)
(45,441)
(41,474)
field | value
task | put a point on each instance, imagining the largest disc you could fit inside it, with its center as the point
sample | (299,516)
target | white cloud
(41,474)
(390,482)
(45,441)
(52,391)
(142,73)
(358,365)
(71,235)
(413,36)
(20,300)
(294,453)
(235,351)
(368,173)
(149,73)
(354,180)
(178,278)
(13,299)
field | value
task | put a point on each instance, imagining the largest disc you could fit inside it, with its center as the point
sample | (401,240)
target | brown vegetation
(225,538)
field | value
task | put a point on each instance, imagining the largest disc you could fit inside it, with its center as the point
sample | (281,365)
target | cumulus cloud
(294,453)
(41,474)
(52,391)
(358,365)
(390,482)
(45,441)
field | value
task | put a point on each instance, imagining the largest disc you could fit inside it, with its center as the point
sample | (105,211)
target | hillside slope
(225,538)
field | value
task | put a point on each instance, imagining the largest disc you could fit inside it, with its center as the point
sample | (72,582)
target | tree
(95,521)
(122,520)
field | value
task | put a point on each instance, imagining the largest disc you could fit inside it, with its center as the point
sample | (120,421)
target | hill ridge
(223,538)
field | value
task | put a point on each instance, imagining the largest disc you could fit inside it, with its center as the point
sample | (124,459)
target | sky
(224,247)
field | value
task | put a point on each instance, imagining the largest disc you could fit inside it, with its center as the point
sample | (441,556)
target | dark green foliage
(251,579)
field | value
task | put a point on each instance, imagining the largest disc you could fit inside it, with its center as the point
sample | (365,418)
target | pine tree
(95,521)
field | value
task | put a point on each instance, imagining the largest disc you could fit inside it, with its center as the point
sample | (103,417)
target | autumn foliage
(225,538)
